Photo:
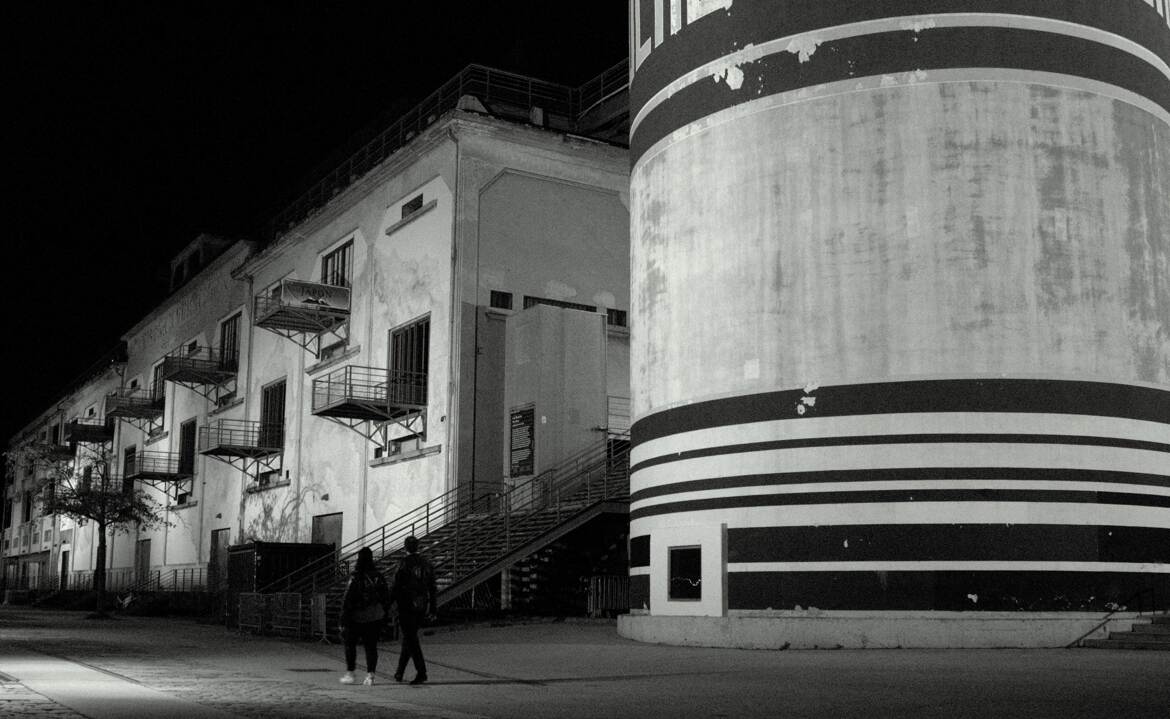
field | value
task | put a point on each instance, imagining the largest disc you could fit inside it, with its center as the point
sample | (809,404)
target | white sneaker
(347,678)
(369,682)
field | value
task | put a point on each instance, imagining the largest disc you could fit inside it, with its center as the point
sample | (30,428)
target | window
(615,318)
(134,383)
(271,433)
(534,301)
(192,347)
(26,504)
(187,447)
(86,479)
(158,387)
(409,361)
(330,351)
(686,573)
(229,343)
(501,300)
(91,411)
(129,461)
(337,266)
(412,206)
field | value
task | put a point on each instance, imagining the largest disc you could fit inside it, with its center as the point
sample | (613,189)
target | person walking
(365,607)
(414,592)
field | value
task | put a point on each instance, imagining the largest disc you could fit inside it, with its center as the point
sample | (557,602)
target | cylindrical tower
(901,316)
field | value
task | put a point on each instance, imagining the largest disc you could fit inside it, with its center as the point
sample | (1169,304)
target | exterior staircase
(1154,634)
(471,541)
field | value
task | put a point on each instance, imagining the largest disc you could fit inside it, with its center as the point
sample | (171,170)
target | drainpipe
(453,360)
(251,307)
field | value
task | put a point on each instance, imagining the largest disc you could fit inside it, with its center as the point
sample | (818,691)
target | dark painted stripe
(893,53)
(922,474)
(949,591)
(903,495)
(721,33)
(949,543)
(640,551)
(856,440)
(1102,399)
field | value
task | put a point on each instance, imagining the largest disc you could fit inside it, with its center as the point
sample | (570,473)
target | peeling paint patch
(804,47)
(917,26)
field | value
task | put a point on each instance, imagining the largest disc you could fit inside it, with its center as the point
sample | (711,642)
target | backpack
(367,607)
(412,583)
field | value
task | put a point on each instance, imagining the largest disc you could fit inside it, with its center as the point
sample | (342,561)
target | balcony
(367,399)
(139,406)
(91,430)
(158,467)
(200,366)
(240,438)
(302,310)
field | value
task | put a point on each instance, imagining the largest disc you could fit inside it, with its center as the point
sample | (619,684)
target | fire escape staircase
(374,402)
(304,312)
(471,541)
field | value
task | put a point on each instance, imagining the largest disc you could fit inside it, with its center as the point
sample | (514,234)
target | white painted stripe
(899,456)
(639,571)
(951,484)
(1109,515)
(752,53)
(1136,567)
(923,78)
(1078,425)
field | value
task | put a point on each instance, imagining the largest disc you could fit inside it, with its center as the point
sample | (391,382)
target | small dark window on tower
(502,300)
(686,573)
(615,318)
(412,206)
(192,347)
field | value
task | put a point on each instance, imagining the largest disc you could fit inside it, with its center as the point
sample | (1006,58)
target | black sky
(137,126)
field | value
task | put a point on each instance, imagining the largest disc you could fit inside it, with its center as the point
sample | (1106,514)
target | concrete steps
(1154,634)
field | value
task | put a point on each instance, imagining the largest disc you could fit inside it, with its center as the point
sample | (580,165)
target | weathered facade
(901,299)
(356,364)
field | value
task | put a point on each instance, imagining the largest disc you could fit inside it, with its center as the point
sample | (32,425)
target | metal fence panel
(253,609)
(285,612)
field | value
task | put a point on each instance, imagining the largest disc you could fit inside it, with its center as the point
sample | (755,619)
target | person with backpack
(415,593)
(365,608)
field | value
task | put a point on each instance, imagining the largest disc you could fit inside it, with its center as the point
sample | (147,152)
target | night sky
(139,125)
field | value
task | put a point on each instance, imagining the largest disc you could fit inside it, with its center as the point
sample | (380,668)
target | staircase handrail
(1121,607)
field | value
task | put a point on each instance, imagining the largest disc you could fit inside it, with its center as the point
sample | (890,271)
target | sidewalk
(59,664)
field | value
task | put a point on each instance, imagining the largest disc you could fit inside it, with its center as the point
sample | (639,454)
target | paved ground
(59,664)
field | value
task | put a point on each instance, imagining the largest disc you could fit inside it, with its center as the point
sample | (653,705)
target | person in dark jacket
(365,607)
(414,592)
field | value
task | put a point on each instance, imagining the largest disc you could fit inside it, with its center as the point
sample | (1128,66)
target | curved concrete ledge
(814,629)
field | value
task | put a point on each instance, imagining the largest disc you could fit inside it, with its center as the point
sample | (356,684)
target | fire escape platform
(284,318)
(89,432)
(189,371)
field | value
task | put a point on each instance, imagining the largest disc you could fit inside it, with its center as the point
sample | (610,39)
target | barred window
(337,266)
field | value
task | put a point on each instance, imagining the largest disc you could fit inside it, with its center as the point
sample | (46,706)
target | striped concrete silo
(901,319)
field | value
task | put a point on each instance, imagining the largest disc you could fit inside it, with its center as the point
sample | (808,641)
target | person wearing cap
(415,593)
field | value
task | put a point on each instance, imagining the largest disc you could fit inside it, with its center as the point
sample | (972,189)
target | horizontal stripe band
(973,590)
(987,566)
(895,53)
(908,423)
(922,396)
(900,496)
(909,474)
(910,513)
(811,41)
(902,439)
(753,23)
(949,542)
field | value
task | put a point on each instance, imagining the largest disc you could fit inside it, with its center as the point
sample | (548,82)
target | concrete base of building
(815,629)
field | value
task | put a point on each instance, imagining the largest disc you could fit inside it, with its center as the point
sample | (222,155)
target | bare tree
(83,487)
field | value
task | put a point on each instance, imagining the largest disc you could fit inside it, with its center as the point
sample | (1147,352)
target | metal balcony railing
(164,466)
(353,392)
(240,438)
(200,365)
(297,306)
(141,402)
(504,94)
(407,389)
(93,430)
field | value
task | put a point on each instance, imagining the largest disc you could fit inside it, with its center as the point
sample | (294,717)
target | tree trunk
(99,569)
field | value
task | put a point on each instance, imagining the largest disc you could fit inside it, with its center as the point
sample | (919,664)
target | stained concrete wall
(960,228)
